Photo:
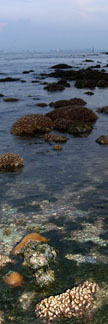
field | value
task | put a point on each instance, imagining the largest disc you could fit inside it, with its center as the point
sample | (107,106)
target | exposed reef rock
(13,279)
(89,93)
(54,87)
(31,125)
(75,113)
(61,66)
(76,302)
(10,162)
(85,78)
(28,238)
(63,103)
(9,79)
(76,120)
(10,99)
(27,71)
(102,140)
(103,110)
(55,138)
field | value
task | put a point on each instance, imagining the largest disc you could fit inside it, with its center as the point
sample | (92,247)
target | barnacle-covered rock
(44,277)
(80,128)
(76,302)
(31,125)
(38,255)
(10,161)
(55,138)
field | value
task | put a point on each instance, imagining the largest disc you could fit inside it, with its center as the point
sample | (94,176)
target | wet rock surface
(10,162)
(102,140)
(31,125)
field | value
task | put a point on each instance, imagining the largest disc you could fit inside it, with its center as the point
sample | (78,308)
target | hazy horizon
(47,25)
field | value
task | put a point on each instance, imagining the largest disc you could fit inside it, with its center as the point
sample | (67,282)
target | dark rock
(87,60)
(42,104)
(10,99)
(23,81)
(57,147)
(1,95)
(63,103)
(89,93)
(31,124)
(85,84)
(54,87)
(64,83)
(103,110)
(75,113)
(102,140)
(9,79)
(61,124)
(26,72)
(61,66)
(102,84)
(34,81)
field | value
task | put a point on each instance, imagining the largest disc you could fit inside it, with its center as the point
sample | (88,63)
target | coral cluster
(10,161)
(4,259)
(31,125)
(76,302)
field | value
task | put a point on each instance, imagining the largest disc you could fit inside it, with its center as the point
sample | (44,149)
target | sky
(53,24)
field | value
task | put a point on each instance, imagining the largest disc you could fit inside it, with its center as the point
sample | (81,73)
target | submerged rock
(31,125)
(89,93)
(57,147)
(10,162)
(42,104)
(55,138)
(9,79)
(102,140)
(38,257)
(76,302)
(44,278)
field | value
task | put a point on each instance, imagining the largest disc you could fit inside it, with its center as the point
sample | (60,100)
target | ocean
(63,194)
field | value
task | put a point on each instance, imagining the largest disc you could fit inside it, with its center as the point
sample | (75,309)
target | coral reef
(4,260)
(44,278)
(28,238)
(55,138)
(10,161)
(13,279)
(76,302)
(31,125)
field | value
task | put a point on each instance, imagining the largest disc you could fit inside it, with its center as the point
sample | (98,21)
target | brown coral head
(13,279)
(28,238)
(10,162)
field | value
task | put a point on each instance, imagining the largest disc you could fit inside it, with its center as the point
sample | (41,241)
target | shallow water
(63,194)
